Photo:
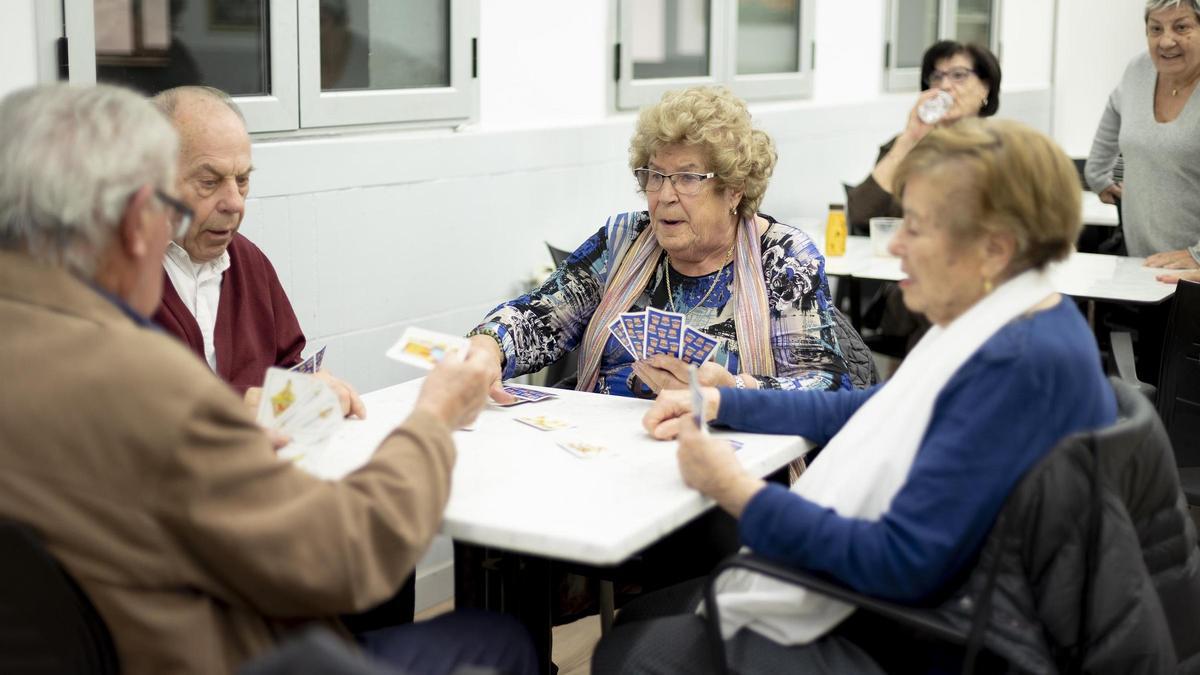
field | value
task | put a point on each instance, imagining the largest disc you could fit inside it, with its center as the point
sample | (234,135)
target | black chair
(562,372)
(1124,458)
(47,623)
(1179,386)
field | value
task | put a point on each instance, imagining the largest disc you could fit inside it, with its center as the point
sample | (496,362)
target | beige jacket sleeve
(265,534)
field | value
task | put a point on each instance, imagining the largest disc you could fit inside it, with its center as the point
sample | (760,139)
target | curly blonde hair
(741,156)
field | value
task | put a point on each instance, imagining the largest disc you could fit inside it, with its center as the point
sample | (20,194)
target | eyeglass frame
(701,177)
(183,211)
(936,76)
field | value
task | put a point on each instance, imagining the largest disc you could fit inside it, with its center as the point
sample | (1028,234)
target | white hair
(1155,5)
(70,159)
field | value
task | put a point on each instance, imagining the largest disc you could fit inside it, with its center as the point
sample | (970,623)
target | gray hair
(168,100)
(1155,5)
(70,158)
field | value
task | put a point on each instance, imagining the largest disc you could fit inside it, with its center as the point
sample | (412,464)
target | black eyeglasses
(181,219)
(684,182)
(955,75)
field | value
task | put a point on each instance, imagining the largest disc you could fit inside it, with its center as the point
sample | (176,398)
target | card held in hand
(425,348)
(664,332)
(635,328)
(312,364)
(697,346)
(618,331)
(300,406)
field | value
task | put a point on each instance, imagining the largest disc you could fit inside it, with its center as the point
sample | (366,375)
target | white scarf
(863,467)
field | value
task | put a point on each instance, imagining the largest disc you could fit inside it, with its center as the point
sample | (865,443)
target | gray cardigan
(1160,205)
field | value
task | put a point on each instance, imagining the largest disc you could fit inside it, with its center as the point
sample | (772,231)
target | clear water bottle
(934,109)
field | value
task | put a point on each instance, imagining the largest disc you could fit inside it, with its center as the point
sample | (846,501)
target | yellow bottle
(835,231)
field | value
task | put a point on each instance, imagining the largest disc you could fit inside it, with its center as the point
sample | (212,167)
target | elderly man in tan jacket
(145,475)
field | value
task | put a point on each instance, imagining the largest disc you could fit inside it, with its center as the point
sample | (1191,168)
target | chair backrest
(860,363)
(47,623)
(558,255)
(1179,375)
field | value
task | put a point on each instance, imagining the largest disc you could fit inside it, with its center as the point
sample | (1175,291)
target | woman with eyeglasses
(755,285)
(970,75)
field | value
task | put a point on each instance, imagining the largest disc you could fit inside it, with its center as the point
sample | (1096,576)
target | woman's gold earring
(987,286)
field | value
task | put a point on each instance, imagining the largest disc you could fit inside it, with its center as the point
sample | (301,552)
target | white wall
(18,51)
(1095,40)
(372,231)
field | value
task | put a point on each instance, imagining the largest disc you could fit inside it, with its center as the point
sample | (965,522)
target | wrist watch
(738,382)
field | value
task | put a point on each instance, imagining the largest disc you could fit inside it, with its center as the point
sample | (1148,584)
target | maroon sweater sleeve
(256,326)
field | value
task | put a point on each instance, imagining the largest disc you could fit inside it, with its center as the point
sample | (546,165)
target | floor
(573,643)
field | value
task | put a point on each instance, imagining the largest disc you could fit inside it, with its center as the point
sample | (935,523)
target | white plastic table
(519,501)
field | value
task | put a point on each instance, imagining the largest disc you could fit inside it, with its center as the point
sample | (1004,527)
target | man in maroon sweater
(221,295)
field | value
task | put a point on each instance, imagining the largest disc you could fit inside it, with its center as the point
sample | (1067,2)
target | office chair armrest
(1122,352)
(922,620)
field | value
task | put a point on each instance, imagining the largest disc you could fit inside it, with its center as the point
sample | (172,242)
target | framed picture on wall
(239,15)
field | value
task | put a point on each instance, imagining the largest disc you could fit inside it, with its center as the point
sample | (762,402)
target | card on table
(312,364)
(584,449)
(635,329)
(618,331)
(424,348)
(545,422)
(664,332)
(524,395)
(696,347)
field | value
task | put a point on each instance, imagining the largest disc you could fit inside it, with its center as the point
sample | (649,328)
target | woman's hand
(661,373)
(662,419)
(486,345)
(1176,277)
(710,466)
(1112,193)
(1173,260)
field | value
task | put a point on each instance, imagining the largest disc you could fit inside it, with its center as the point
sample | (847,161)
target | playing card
(301,406)
(312,364)
(664,332)
(584,449)
(696,347)
(635,329)
(737,445)
(527,394)
(697,398)
(545,422)
(424,348)
(618,331)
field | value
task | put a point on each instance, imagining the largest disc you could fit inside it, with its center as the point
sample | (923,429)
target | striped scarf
(634,272)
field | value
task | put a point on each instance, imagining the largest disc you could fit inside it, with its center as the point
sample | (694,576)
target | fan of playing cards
(653,331)
(301,406)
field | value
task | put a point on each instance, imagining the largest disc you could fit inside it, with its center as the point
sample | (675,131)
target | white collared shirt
(199,287)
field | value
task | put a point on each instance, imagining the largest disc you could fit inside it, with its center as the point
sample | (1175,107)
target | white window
(290,64)
(914,25)
(758,48)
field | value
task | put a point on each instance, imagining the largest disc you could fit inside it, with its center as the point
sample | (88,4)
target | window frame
(633,93)
(909,79)
(295,101)
(454,103)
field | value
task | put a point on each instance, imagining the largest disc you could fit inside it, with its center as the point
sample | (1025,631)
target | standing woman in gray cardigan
(1153,123)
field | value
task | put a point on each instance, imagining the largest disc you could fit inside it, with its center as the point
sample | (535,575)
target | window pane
(916,30)
(670,38)
(385,44)
(974,22)
(768,39)
(152,45)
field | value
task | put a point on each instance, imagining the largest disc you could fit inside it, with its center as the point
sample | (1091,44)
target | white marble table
(515,489)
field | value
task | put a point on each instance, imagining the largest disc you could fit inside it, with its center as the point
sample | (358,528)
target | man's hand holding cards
(301,407)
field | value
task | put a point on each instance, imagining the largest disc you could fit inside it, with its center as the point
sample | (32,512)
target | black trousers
(450,642)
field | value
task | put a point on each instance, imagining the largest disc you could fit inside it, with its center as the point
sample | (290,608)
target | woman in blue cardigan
(914,471)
